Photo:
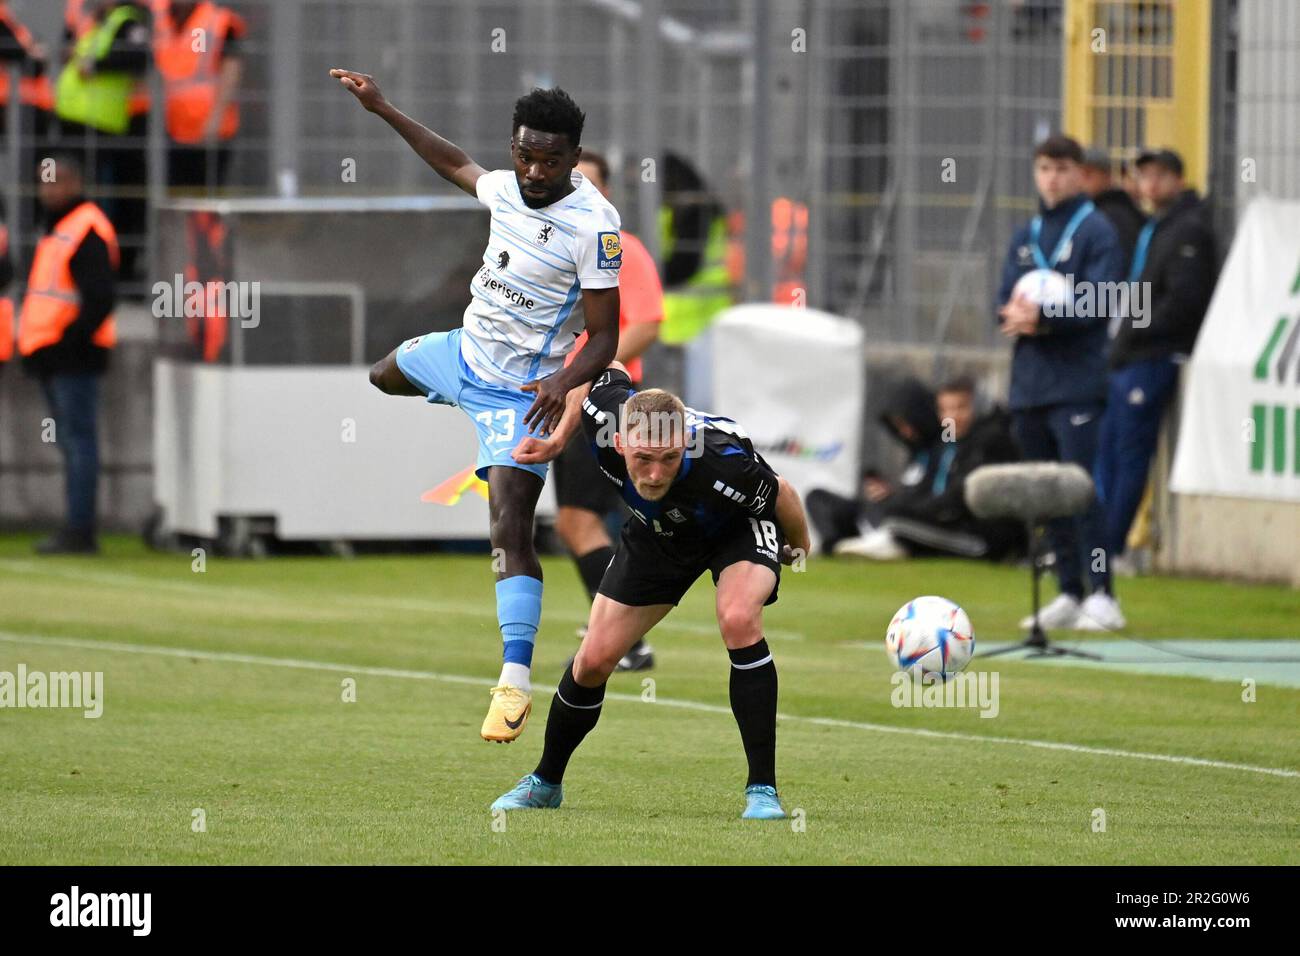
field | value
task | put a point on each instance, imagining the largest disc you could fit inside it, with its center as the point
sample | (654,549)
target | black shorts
(648,570)
(579,482)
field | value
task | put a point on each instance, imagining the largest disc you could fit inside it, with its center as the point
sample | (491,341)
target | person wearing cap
(1176,258)
(1111,200)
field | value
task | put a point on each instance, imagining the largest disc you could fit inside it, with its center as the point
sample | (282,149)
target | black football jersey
(723,480)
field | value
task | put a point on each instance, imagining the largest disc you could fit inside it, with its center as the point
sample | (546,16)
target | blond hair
(654,417)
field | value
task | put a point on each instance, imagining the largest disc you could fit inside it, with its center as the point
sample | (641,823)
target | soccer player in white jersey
(550,270)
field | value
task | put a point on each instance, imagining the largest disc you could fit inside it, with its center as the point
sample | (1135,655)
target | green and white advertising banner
(1240,432)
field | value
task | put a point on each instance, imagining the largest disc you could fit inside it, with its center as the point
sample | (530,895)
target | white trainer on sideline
(1061,612)
(1100,612)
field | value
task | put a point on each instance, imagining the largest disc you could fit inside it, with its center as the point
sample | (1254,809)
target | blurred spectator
(789,250)
(1114,202)
(200,61)
(930,517)
(78,20)
(102,105)
(1058,369)
(65,332)
(6,303)
(18,46)
(1176,260)
(908,414)
(583,496)
(693,249)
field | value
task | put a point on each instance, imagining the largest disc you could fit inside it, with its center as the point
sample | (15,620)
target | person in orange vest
(6,303)
(197,53)
(17,45)
(65,333)
(78,19)
(583,496)
(201,83)
(789,250)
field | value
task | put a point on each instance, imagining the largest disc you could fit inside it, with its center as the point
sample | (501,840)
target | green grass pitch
(223,692)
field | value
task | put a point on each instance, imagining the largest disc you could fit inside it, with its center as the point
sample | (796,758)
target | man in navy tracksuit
(1176,259)
(1058,371)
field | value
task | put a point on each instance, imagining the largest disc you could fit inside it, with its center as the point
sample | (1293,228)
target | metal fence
(905,126)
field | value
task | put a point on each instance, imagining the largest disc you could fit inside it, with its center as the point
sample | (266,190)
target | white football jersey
(526,310)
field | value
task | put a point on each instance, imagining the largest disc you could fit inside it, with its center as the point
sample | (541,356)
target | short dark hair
(1059,146)
(65,158)
(599,161)
(958,383)
(550,111)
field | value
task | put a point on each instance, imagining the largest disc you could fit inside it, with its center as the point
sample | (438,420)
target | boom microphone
(1030,491)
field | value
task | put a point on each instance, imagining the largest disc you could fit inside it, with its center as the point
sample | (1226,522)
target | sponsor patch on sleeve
(609,250)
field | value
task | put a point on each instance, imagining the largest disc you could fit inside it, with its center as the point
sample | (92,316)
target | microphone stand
(1037,642)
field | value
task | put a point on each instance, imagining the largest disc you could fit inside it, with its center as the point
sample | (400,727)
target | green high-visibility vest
(103,100)
(690,307)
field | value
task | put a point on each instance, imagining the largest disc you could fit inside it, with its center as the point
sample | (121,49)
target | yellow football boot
(507,714)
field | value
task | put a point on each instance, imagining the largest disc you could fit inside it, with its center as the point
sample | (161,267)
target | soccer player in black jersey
(701,499)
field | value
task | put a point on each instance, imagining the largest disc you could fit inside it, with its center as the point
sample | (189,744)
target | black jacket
(96,282)
(1118,207)
(939,498)
(1181,268)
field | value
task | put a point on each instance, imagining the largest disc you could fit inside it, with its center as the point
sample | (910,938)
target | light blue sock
(519,611)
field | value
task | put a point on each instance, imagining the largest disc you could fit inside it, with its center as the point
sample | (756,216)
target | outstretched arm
(445,158)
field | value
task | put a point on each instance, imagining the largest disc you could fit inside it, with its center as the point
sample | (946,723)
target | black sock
(753,701)
(592,567)
(574,711)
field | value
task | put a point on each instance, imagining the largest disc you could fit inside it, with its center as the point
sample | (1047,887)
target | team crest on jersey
(503,259)
(676,515)
(609,250)
(544,235)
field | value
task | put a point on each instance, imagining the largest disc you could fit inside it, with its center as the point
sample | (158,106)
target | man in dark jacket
(925,513)
(1175,260)
(908,415)
(1113,202)
(1058,369)
(931,517)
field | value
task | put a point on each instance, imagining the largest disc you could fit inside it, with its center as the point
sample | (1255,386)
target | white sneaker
(879,545)
(1061,612)
(1100,612)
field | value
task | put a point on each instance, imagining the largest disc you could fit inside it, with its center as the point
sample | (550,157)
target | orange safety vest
(192,77)
(789,248)
(207,263)
(6,309)
(6,329)
(52,300)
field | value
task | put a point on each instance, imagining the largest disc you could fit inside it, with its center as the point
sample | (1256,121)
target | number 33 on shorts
(497,426)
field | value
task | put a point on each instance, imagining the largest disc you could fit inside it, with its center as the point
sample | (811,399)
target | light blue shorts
(433,363)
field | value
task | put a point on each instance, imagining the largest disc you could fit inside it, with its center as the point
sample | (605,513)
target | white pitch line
(298,664)
(119,580)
